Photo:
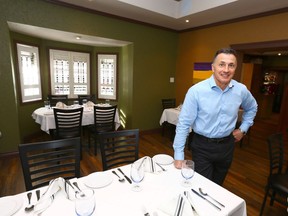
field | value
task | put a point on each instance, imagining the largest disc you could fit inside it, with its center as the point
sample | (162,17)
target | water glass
(47,104)
(137,173)
(76,103)
(84,101)
(85,203)
(187,172)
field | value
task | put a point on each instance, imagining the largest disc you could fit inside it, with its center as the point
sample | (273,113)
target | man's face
(224,67)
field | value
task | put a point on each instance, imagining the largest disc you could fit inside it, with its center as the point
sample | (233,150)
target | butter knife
(127,178)
(206,199)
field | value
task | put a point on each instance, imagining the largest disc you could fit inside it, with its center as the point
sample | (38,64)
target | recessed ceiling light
(78,37)
(186,21)
(279,54)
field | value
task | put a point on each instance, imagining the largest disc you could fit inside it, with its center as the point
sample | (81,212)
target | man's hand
(178,164)
(238,135)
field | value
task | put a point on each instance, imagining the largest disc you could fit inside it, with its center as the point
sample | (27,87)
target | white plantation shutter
(29,71)
(69,73)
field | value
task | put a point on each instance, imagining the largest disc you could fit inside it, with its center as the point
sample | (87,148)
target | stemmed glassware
(137,174)
(187,172)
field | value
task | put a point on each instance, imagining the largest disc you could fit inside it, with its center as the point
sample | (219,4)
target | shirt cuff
(178,155)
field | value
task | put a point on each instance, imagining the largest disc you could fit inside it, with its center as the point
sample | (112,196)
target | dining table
(170,115)
(45,117)
(158,197)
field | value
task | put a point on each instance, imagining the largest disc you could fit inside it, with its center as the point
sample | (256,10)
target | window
(70,73)
(29,72)
(107,76)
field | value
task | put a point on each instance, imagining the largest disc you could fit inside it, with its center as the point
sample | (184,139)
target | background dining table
(171,115)
(159,190)
(45,117)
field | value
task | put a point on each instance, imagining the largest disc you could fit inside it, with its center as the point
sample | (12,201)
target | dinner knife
(127,178)
(187,197)
(206,199)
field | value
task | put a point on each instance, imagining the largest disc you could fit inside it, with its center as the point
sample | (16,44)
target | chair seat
(279,182)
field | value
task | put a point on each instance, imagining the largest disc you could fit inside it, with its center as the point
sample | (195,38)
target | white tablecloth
(45,117)
(170,115)
(118,199)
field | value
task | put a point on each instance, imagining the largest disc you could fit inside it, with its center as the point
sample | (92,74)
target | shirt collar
(212,83)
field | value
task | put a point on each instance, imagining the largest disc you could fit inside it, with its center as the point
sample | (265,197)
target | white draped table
(118,199)
(170,115)
(45,117)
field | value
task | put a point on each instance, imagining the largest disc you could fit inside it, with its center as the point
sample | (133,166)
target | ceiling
(172,14)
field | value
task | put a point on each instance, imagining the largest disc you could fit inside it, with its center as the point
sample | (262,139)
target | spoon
(119,178)
(29,207)
(81,192)
(206,194)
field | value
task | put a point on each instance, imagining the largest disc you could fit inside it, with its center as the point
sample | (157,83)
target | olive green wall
(144,70)
(200,45)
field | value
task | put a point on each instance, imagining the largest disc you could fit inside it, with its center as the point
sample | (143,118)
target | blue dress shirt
(213,113)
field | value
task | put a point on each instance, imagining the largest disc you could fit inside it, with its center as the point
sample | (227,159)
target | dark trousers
(212,157)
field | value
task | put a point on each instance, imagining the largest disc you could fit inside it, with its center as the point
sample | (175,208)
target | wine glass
(137,173)
(187,172)
(85,203)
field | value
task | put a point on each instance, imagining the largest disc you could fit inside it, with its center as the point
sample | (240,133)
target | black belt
(213,139)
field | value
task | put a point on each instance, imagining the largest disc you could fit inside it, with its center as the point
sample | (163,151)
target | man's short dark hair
(225,51)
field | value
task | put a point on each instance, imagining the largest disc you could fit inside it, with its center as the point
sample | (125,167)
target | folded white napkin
(177,206)
(47,198)
(60,105)
(149,164)
(90,104)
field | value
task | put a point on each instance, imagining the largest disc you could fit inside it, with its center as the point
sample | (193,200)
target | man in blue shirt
(211,109)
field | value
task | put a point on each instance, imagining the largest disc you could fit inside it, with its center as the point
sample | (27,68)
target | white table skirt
(170,115)
(118,199)
(45,117)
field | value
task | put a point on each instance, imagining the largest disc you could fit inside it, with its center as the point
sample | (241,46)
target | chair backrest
(57,98)
(44,161)
(168,103)
(68,122)
(104,118)
(275,143)
(87,97)
(119,147)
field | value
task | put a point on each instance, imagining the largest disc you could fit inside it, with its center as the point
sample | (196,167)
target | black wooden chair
(104,121)
(119,148)
(87,97)
(54,99)
(68,123)
(44,161)
(277,185)
(166,104)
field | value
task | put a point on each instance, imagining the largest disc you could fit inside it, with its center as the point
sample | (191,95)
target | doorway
(272,107)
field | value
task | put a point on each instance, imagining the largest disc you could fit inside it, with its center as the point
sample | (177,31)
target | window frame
(32,48)
(113,57)
(69,54)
